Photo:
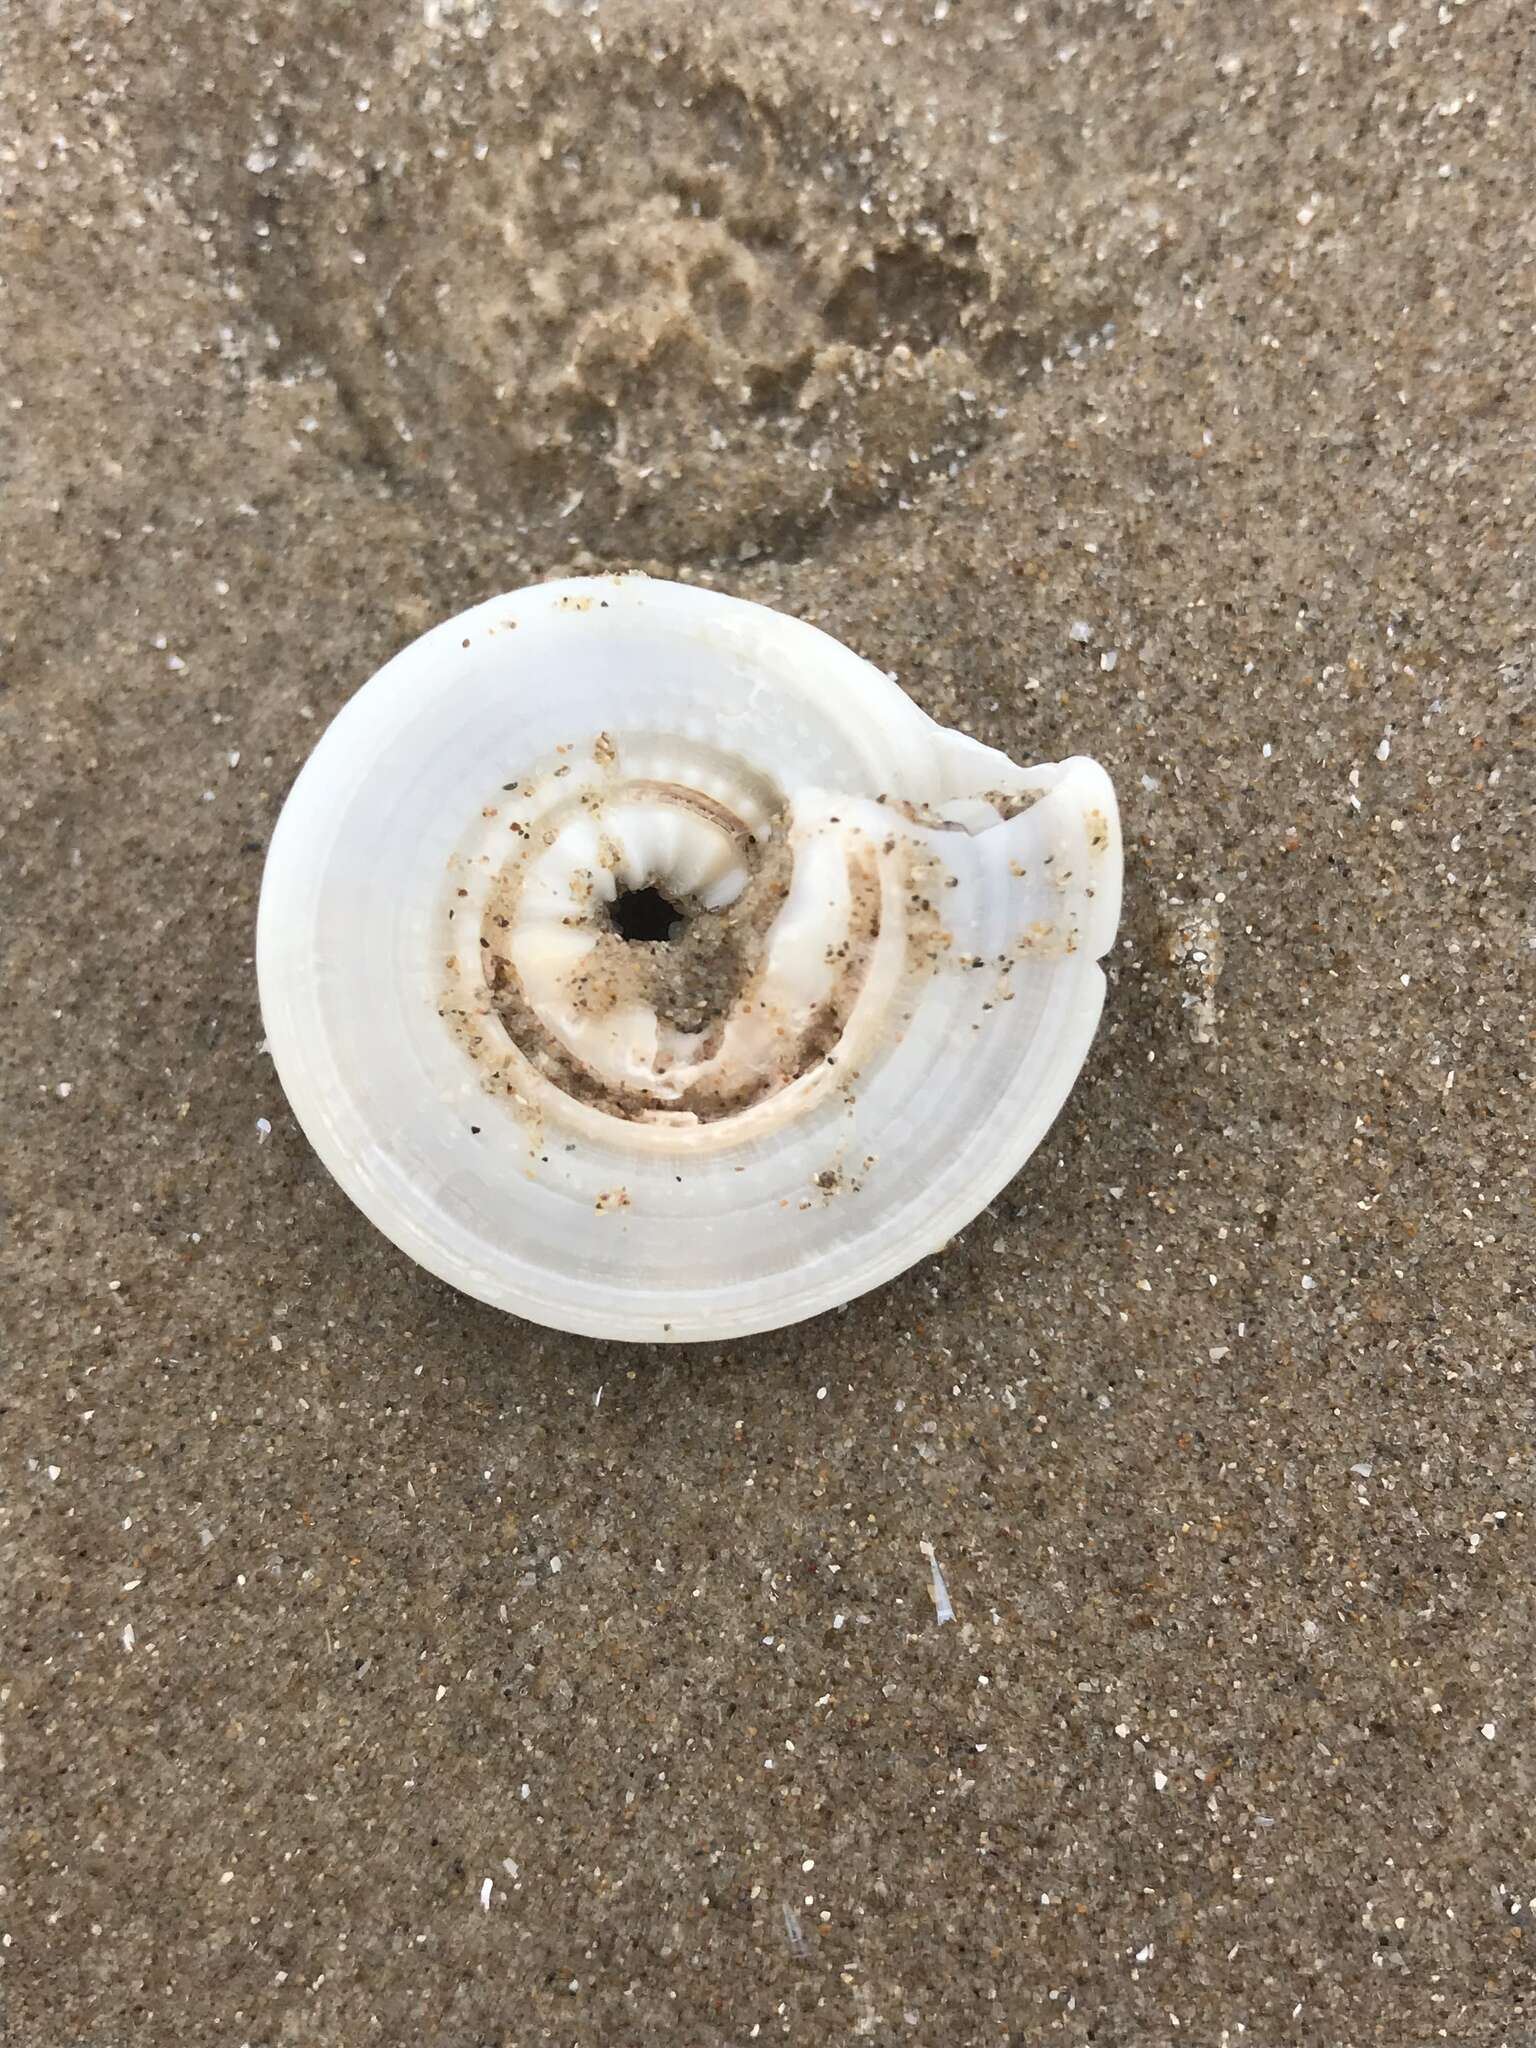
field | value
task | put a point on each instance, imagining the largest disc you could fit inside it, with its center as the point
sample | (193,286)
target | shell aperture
(645,962)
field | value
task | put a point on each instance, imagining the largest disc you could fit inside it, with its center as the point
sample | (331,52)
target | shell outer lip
(305,836)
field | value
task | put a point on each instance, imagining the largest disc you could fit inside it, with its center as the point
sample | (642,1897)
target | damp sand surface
(1116,1630)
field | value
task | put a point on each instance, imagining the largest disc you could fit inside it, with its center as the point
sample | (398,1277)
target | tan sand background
(330,1595)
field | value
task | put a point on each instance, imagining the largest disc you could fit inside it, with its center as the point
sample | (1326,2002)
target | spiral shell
(644,962)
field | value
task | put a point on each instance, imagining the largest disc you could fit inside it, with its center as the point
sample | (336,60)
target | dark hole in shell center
(645,914)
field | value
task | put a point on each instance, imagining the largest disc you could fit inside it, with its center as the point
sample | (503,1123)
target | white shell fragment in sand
(645,962)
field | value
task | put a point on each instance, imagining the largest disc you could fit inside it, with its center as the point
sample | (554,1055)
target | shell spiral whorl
(770,980)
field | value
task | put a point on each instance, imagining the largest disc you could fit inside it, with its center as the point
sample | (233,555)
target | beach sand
(1142,380)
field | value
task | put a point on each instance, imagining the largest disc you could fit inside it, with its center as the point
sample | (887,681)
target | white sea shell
(883,983)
